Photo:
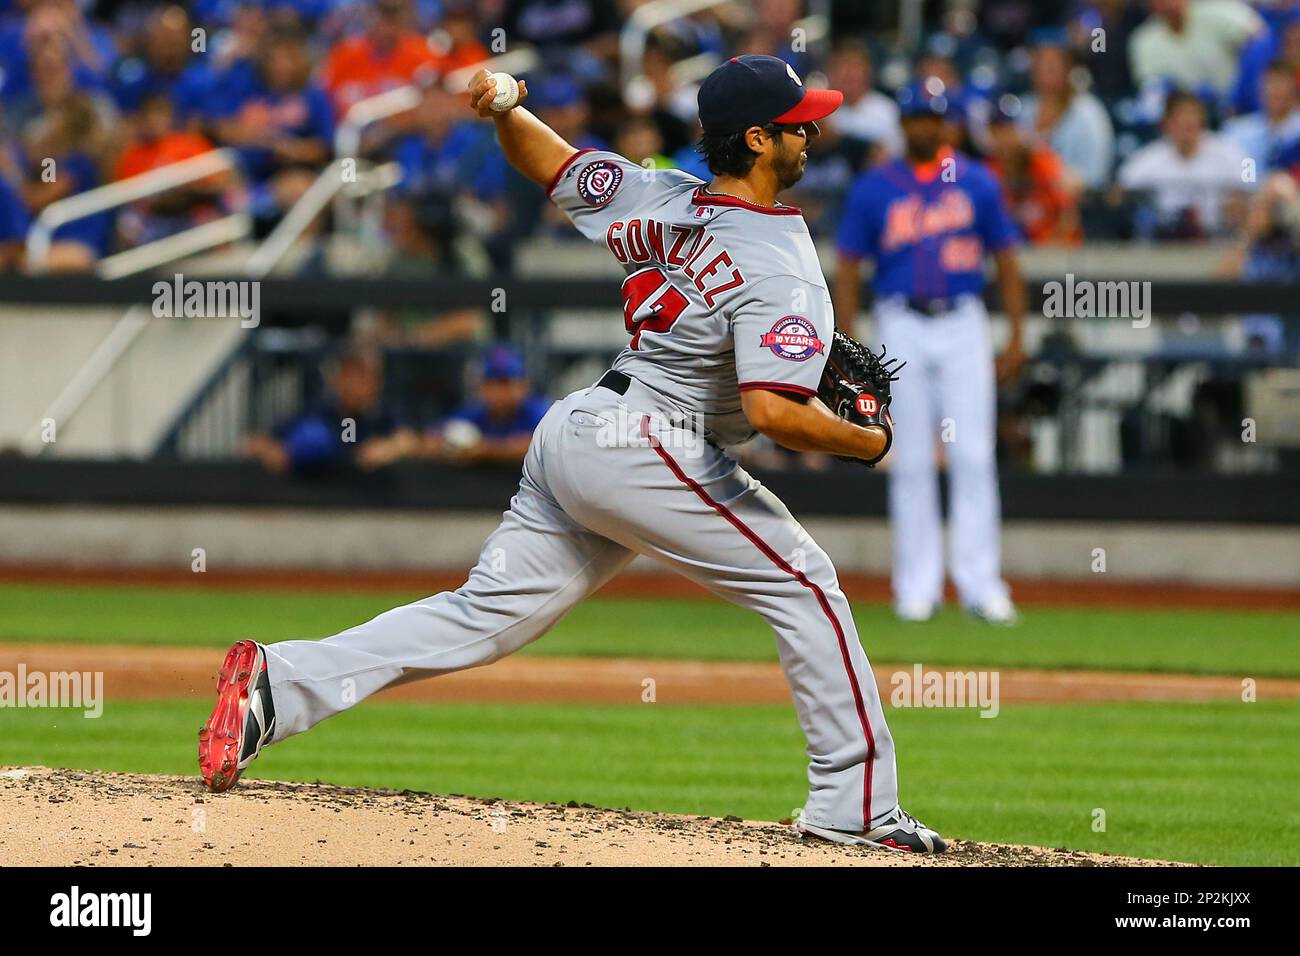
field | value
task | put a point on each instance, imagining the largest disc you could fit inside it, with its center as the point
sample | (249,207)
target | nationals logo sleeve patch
(794,338)
(598,182)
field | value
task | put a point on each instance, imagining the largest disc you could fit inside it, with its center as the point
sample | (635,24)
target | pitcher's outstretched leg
(532,570)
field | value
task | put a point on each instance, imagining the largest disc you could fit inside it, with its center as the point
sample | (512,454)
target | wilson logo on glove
(855,384)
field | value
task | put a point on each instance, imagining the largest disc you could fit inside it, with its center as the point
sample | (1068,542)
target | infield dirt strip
(71,817)
(143,672)
(75,817)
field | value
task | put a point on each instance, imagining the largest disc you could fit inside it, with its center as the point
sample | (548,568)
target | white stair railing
(369,180)
(190,242)
(643,21)
(364,113)
(646,19)
(137,318)
(113,195)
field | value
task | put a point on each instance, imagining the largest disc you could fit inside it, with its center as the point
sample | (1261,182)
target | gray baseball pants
(594,494)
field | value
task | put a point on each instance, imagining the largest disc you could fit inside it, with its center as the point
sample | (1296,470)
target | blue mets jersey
(927,228)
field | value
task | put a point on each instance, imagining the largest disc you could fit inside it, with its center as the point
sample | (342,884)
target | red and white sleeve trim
(779,387)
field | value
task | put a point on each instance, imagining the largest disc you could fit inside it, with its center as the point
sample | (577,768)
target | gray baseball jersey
(720,296)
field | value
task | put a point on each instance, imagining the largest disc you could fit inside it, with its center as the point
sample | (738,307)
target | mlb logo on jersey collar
(704,197)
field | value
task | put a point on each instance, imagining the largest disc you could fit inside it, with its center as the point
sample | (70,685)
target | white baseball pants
(946,398)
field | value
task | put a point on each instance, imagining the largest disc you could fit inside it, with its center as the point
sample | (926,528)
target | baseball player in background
(729,320)
(927,220)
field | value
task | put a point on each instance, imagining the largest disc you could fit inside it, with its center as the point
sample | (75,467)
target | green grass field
(1210,783)
(1257,644)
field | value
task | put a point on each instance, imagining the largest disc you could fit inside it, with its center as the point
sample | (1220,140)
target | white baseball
(507,92)
(461,435)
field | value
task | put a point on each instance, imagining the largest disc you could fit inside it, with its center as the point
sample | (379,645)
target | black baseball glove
(855,386)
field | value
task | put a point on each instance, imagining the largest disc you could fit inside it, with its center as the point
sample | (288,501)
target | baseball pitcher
(730,330)
(927,220)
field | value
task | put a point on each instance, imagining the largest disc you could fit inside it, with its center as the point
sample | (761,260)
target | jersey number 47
(650,303)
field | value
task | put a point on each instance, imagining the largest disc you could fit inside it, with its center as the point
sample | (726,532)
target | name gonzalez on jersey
(676,247)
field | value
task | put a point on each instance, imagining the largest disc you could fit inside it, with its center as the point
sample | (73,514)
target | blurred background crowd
(1079,106)
(1143,120)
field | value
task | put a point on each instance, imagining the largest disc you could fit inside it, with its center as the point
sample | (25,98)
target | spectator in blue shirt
(282,126)
(444,153)
(13,225)
(59,152)
(168,66)
(496,425)
(88,46)
(1268,251)
(1261,52)
(233,55)
(337,434)
(50,77)
(1269,134)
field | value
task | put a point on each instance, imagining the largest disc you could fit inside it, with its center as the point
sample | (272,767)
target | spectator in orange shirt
(392,53)
(157,142)
(456,39)
(1041,191)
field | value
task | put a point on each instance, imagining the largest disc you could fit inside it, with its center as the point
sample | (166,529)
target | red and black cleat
(243,720)
(898,831)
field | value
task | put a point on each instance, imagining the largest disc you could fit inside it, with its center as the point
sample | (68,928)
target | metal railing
(332,181)
(365,113)
(113,195)
(190,242)
(137,318)
(646,19)
(390,103)
(205,423)
(643,21)
(87,378)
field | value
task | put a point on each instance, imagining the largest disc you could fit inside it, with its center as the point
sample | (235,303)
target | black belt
(931,307)
(615,381)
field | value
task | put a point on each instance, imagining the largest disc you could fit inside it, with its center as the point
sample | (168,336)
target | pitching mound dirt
(73,817)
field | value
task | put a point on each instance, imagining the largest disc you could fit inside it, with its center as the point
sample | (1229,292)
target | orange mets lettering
(907,220)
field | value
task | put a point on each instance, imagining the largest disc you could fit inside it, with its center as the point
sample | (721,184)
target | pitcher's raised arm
(530,145)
